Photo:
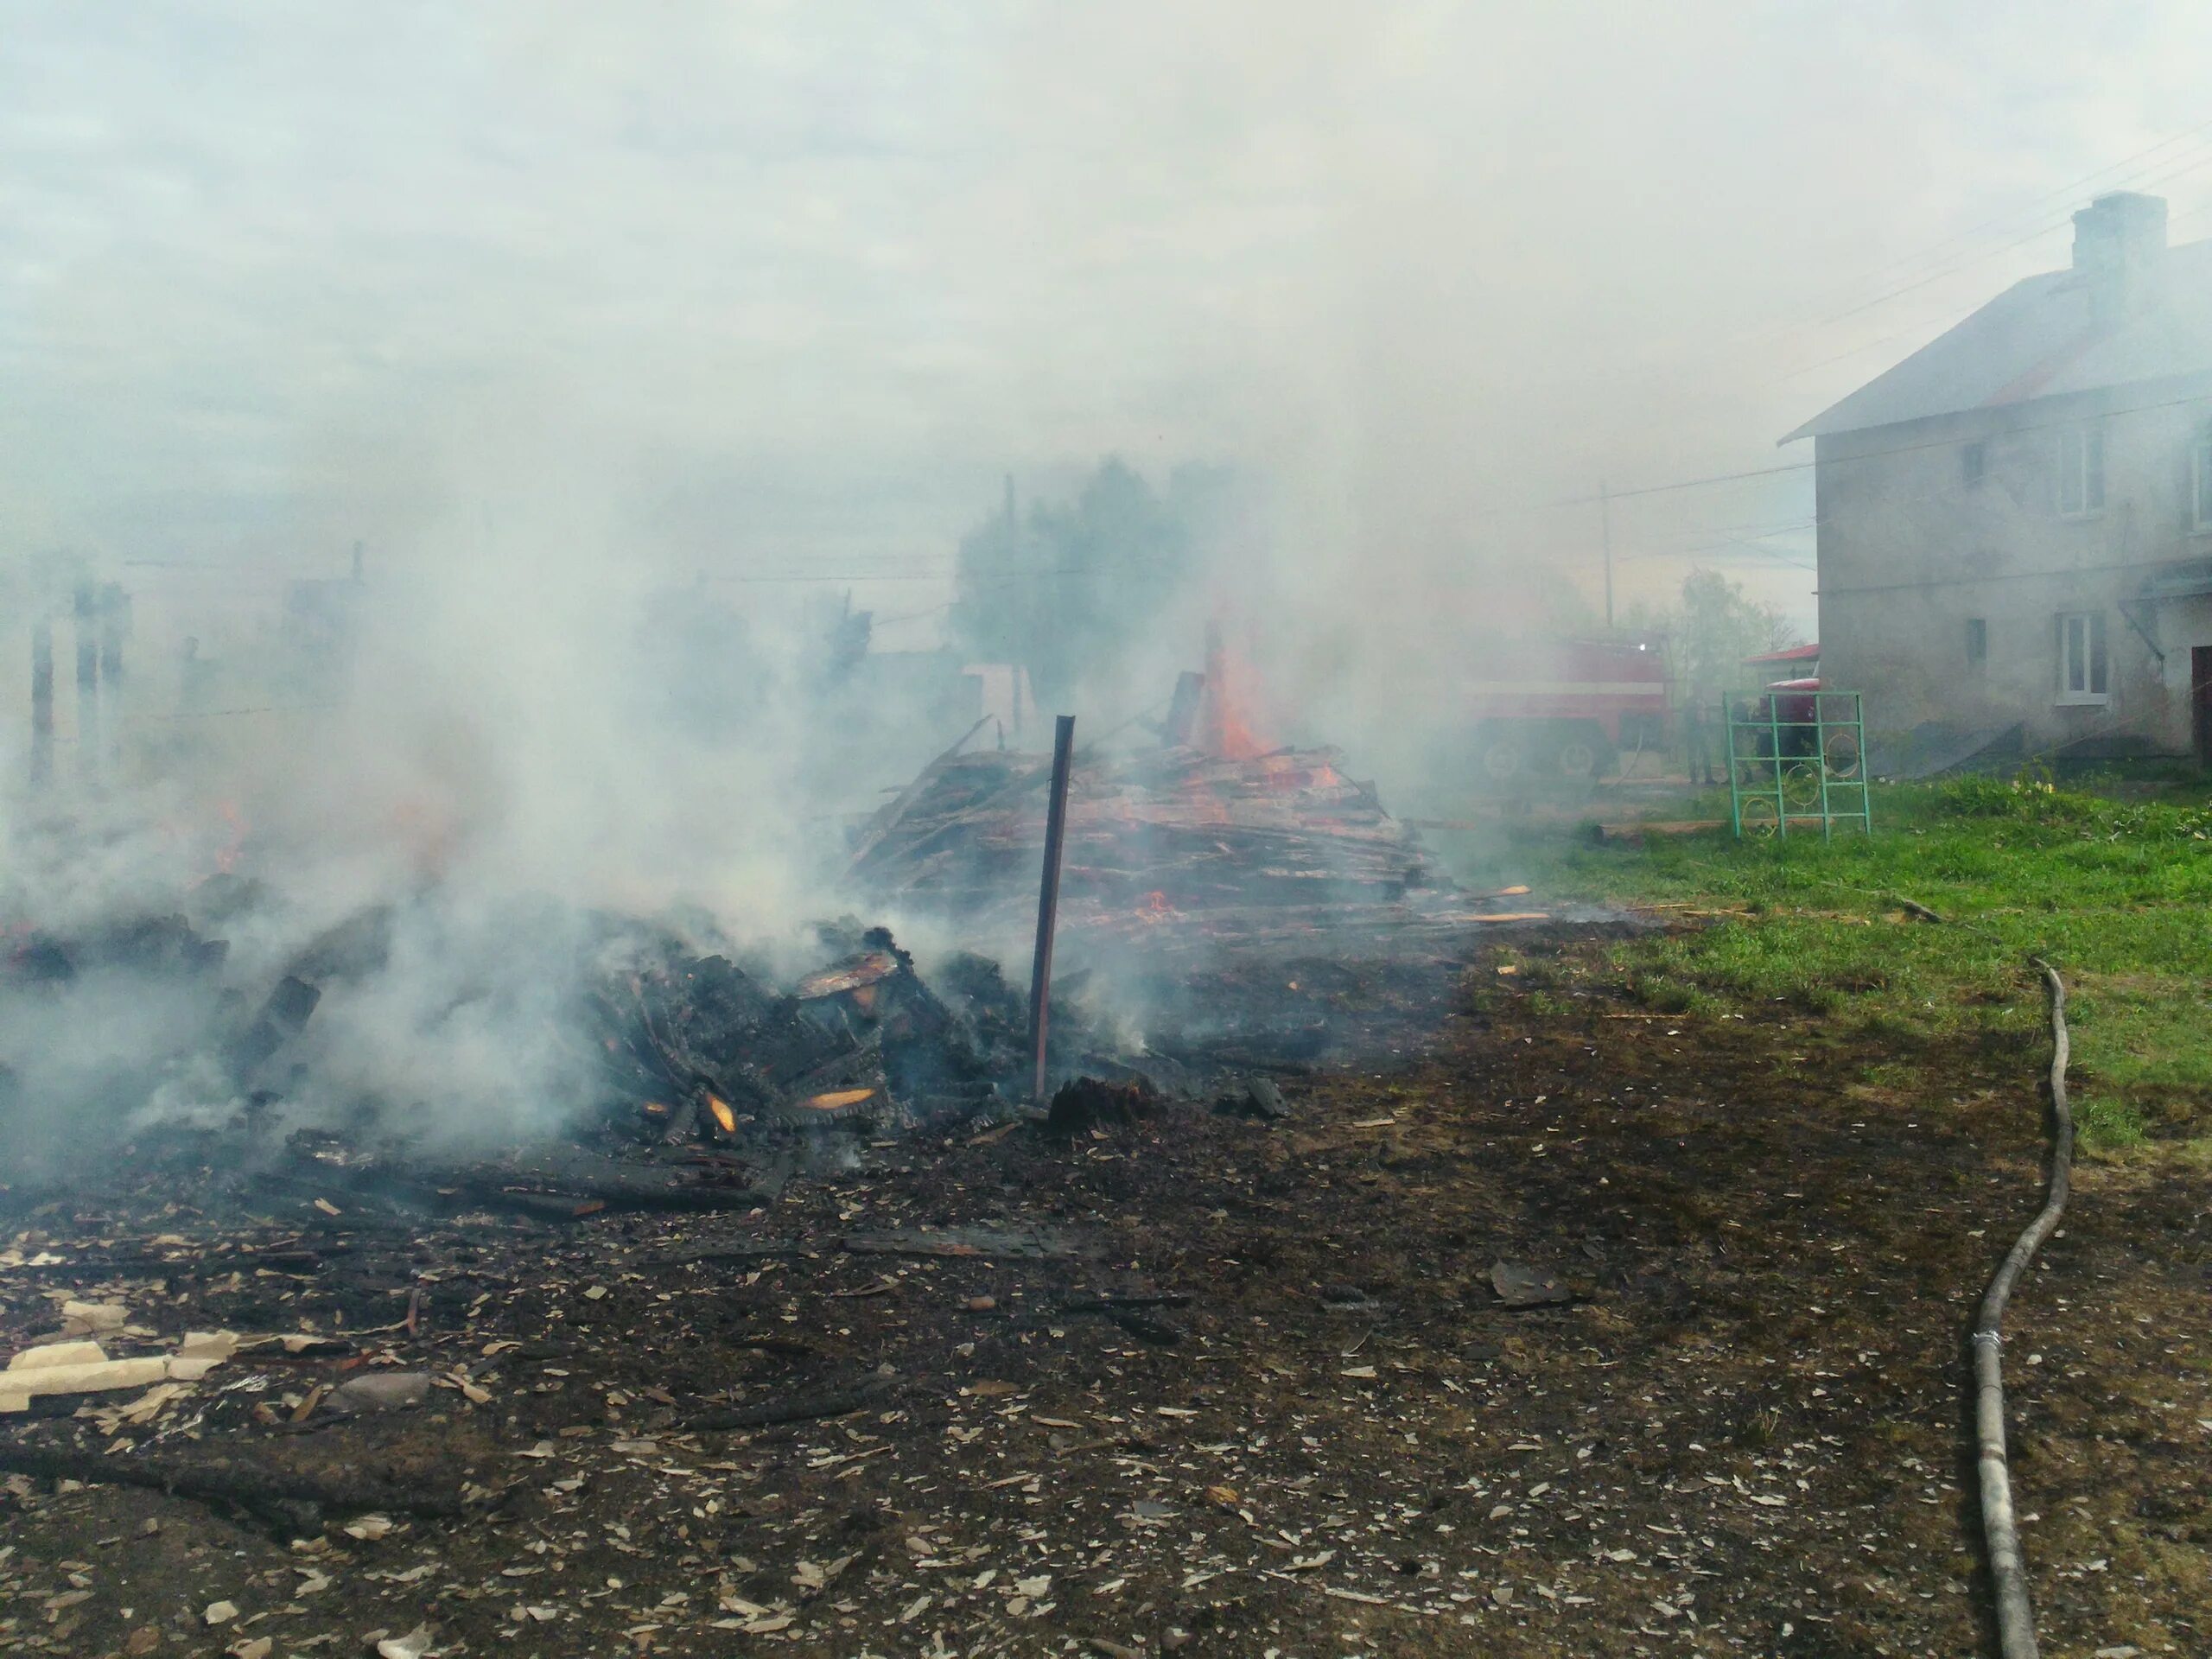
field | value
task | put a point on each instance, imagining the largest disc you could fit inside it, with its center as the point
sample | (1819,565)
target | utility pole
(85,613)
(1605,512)
(41,701)
(115,620)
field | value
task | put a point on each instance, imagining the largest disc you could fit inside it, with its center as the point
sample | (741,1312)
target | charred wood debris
(1284,918)
(1154,832)
(709,1082)
(715,1082)
(1204,888)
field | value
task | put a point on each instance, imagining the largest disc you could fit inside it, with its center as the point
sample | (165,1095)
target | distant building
(2016,521)
(1792,661)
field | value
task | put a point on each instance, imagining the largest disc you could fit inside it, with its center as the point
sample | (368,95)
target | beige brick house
(2015,523)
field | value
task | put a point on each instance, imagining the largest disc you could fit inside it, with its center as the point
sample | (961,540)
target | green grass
(2115,893)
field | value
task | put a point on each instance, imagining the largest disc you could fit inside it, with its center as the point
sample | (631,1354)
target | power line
(1994,577)
(1997,222)
(747,577)
(1715,547)
(1776,554)
(1754,532)
(1953,270)
(1786,467)
(1677,483)
(1670,486)
(1887,340)
(1948,250)
(2001,222)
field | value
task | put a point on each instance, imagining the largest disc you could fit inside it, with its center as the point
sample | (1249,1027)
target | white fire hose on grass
(2016,1624)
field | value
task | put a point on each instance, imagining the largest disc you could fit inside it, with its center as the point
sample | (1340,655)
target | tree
(1717,628)
(1070,588)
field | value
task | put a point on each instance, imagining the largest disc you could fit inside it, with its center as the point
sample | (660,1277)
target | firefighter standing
(1699,737)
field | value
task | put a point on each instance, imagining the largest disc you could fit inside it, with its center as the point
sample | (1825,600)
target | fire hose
(2016,1624)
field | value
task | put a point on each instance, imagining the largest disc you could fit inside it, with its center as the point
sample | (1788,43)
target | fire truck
(1792,706)
(1562,707)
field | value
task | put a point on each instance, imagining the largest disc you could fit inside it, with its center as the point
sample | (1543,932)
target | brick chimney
(2118,241)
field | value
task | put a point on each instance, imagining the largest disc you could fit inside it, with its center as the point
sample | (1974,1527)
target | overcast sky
(787,287)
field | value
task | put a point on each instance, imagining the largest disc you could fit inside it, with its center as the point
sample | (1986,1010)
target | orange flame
(227,857)
(835,1099)
(1155,908)
(1230,728)
(723,1115)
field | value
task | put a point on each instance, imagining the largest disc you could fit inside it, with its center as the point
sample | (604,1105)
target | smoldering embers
(438,1023)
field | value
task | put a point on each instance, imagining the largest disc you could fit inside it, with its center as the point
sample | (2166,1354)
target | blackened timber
(287,1502)
(1182,710)
(760,1252)
(797,1408)
(282,1017)
(888,820)
(1025,1245)
(592,1187)
(1151,834)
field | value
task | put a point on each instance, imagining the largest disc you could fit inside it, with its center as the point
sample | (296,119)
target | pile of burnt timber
(691,1076)
(697,1046)
(1168,830)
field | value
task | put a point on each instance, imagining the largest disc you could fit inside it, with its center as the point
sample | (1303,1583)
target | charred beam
(282,1017)
(796,1409)
(285,1503)
(1182,710)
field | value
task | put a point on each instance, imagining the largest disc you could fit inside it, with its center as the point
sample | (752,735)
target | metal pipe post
(1048,899)
(1774,748)
(1728,740)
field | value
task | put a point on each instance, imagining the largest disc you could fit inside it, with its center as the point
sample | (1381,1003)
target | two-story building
(2015,523)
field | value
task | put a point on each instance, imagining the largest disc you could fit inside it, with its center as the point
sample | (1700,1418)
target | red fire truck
(1794,705)
(1561,707)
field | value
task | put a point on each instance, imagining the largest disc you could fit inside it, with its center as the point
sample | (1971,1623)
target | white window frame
(2200,479)
(2079,460)
(2084,660)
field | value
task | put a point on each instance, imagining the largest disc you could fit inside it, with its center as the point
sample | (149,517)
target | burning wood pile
(1173,830)
(449,1019)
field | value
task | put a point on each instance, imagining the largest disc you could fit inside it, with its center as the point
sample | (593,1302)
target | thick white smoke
(619,339)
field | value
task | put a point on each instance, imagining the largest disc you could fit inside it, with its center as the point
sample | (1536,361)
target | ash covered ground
(1598,1335)
(1341,1294)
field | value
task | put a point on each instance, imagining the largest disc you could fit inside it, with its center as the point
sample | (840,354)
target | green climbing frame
(1797,759)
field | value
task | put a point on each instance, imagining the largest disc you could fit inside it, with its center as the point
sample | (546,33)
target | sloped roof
(2040,339)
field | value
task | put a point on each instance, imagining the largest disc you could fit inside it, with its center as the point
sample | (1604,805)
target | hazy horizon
(787,289)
